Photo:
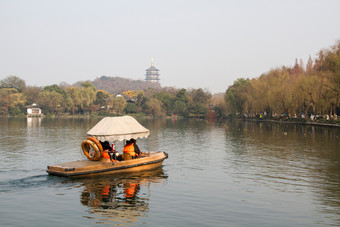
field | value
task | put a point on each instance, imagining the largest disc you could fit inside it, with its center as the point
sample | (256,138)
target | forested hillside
(117,85)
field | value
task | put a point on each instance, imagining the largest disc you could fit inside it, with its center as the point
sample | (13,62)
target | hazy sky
(195,44)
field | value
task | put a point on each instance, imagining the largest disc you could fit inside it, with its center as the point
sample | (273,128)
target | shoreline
(337,124)
(295,122)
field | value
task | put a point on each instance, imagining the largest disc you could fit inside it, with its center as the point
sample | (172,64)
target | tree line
(303,90)
(85,99)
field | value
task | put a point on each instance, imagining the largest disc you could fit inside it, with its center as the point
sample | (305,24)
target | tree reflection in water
(119,199)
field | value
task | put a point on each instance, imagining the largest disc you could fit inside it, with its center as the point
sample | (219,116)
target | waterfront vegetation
(311,91)
(300,92)
(86,100)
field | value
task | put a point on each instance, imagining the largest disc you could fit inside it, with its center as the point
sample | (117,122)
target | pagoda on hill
(152,74)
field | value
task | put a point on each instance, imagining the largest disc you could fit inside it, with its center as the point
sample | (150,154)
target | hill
(116,85)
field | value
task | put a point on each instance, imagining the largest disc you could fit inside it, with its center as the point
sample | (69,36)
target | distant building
(152,74)
(33,111)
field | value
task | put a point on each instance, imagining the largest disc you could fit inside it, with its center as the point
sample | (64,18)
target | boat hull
(151,160)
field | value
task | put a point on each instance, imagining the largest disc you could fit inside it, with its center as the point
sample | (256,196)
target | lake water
(229,173)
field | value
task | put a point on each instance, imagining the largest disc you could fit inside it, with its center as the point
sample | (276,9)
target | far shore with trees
(302,92)
(86,100)
(310,92)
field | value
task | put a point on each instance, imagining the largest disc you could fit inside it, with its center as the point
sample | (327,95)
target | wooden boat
(110,129)
(151,160)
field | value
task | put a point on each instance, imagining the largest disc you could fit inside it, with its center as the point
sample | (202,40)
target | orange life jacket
(105,154)
(130,150)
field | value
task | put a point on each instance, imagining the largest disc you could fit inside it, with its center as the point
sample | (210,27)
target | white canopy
(118,128)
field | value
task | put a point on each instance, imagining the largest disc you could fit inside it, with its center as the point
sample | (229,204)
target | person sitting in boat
(114,155)
(129,151)
(105,145)
(109,152)
(137,151)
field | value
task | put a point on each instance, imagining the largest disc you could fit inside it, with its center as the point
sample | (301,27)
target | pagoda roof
(152,68)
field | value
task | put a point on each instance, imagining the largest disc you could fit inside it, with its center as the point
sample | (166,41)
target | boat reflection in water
(120,199)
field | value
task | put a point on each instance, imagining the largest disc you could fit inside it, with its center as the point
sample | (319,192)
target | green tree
(80,99)
(32,94)
(331,68)
(57,89)
(236,95)
(88,84)
(181,103)
(50,101)
(199,110)
(199,96)
(74,99)
(260,96)
(131,108)
(88,96)
(11,99)
(182,96)
(282,90)
(154,107)
(167,101)
(119,104)
(13,82)
(101,97)
(180,108)
(69,104)
(17,100)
